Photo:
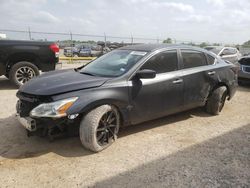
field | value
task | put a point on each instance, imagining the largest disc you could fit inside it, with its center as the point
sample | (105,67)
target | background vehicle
(226,53)
(244,72)
(83,50)
(126,86)
(22,60)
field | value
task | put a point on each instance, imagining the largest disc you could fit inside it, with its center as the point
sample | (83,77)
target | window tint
(193,58)
(210,59)
(162,62)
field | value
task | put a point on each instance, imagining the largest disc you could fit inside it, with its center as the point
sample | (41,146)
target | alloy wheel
(107,129)
(24,74)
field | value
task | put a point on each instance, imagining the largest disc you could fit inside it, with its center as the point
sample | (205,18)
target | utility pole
(105,40)
(71,41)
(29,33)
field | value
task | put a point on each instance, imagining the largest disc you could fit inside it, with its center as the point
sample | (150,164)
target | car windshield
(113,64)
(214,50)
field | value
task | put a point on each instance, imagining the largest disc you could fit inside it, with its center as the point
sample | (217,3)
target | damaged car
(127,86)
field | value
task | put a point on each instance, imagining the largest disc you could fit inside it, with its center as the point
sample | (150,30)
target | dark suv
(126,86)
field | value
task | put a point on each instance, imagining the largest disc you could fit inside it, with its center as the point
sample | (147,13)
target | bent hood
(61,81)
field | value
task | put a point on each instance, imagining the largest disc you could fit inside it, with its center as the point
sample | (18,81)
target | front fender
(92,98)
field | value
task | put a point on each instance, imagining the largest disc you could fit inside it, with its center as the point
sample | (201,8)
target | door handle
(211,73)
(177,81)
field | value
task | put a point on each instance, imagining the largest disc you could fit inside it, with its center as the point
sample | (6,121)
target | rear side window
(163,62)
(229,51)
(193,58)
(210,60)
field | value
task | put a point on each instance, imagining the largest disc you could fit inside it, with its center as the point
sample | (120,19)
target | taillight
(55,48)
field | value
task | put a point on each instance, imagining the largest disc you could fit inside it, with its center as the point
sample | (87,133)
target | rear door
(162,95)
(196,77)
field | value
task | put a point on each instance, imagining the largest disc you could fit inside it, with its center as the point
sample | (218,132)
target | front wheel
(22,72)
(216,101)
(99,128)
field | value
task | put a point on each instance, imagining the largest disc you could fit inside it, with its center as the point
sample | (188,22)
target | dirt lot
(190,149)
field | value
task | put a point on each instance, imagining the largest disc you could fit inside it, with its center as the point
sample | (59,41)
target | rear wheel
(216,101)
(99,128)
(22,72)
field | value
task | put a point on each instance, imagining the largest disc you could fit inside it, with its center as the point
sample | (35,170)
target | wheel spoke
(103,138)
(111,120)
(107,137)
(112,125)
(110,116)
(100,129)
(100,136)
(111,132)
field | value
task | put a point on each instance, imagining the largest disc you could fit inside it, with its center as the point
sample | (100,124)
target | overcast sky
(226,21)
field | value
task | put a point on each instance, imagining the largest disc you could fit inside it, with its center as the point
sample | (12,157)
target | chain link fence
(72,39)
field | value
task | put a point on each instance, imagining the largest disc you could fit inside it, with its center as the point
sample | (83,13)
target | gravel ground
(189,149)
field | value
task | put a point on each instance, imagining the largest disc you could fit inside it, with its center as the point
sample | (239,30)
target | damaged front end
(42,116)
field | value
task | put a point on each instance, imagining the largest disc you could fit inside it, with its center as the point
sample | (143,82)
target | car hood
(61,81)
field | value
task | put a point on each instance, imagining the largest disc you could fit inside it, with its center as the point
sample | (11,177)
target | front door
(159,96)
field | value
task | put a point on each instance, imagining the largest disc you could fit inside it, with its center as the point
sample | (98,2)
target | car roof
(219,47)
(153,47)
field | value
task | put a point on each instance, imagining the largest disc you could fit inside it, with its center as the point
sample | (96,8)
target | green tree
(168,40)
(247,43)
(203,44)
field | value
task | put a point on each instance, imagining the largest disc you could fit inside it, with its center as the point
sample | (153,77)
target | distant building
(3,36)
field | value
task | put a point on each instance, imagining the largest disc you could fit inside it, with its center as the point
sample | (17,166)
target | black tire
(7,75)
(216,100)
(29,71)
(94,134)
(75,55)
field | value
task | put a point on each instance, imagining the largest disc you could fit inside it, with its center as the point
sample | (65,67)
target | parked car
(83,50)
(73,51)
(244,72)
(227,53)
(20,61)
(127,86)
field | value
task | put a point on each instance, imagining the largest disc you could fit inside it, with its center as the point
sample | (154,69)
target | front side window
(163,62)
(113,64)
(193,58)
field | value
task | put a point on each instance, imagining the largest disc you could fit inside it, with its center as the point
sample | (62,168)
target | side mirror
(146,74)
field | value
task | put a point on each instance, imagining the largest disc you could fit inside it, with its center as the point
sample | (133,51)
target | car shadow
(15,144)
(222,161)
(6,84)
(167,120)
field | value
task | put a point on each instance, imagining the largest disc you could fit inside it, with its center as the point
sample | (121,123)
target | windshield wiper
(87,73)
